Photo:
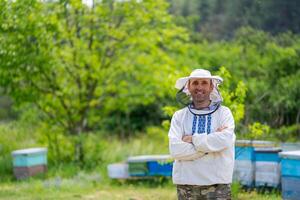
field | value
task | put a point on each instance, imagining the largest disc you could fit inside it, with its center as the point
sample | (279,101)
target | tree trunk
(120,127)
(298,117)
(297,123)
(79,150)
(57,147)
(128,125)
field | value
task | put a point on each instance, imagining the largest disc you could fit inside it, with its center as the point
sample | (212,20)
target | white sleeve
(217,141)
(179,149)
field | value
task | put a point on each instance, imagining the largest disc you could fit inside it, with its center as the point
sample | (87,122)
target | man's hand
(221,128)
(187,138)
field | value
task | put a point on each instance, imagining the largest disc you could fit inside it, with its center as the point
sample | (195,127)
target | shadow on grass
(150,182)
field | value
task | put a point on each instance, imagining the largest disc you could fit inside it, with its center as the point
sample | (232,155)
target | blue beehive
(290,175)
(244,167)
(28,162)
(267,167)
(29,157)
(162,166)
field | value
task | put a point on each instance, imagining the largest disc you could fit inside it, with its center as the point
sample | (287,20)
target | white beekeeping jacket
(209,159)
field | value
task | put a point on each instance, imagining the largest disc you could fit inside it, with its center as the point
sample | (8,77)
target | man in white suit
(201,140)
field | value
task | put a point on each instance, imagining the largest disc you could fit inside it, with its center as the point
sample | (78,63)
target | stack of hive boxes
(244,167)
(267,167)
(290,174)
(29,162)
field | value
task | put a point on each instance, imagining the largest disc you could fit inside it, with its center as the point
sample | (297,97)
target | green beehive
(137,166)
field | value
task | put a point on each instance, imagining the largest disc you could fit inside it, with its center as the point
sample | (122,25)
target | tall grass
(13,136)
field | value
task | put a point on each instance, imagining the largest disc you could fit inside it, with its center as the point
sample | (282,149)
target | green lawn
(80,188)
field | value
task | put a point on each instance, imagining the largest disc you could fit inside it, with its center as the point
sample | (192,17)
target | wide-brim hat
(215,95)
(197,73)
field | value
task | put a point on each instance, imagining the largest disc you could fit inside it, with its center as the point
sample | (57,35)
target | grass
(85,188)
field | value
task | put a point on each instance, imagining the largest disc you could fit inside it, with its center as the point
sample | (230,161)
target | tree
(75,61)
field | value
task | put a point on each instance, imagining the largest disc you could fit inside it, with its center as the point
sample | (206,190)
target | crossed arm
(191,147)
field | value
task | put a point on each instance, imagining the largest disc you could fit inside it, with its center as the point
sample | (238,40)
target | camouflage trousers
(211,192)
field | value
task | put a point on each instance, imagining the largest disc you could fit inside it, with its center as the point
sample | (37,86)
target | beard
(200,97)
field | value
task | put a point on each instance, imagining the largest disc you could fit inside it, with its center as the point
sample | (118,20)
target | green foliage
(169,110)
(159,134)
(258,130)
(217,19)
(287,133)
(233,98)
(60,146)
(270,66)
(6,111)
(94,150)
